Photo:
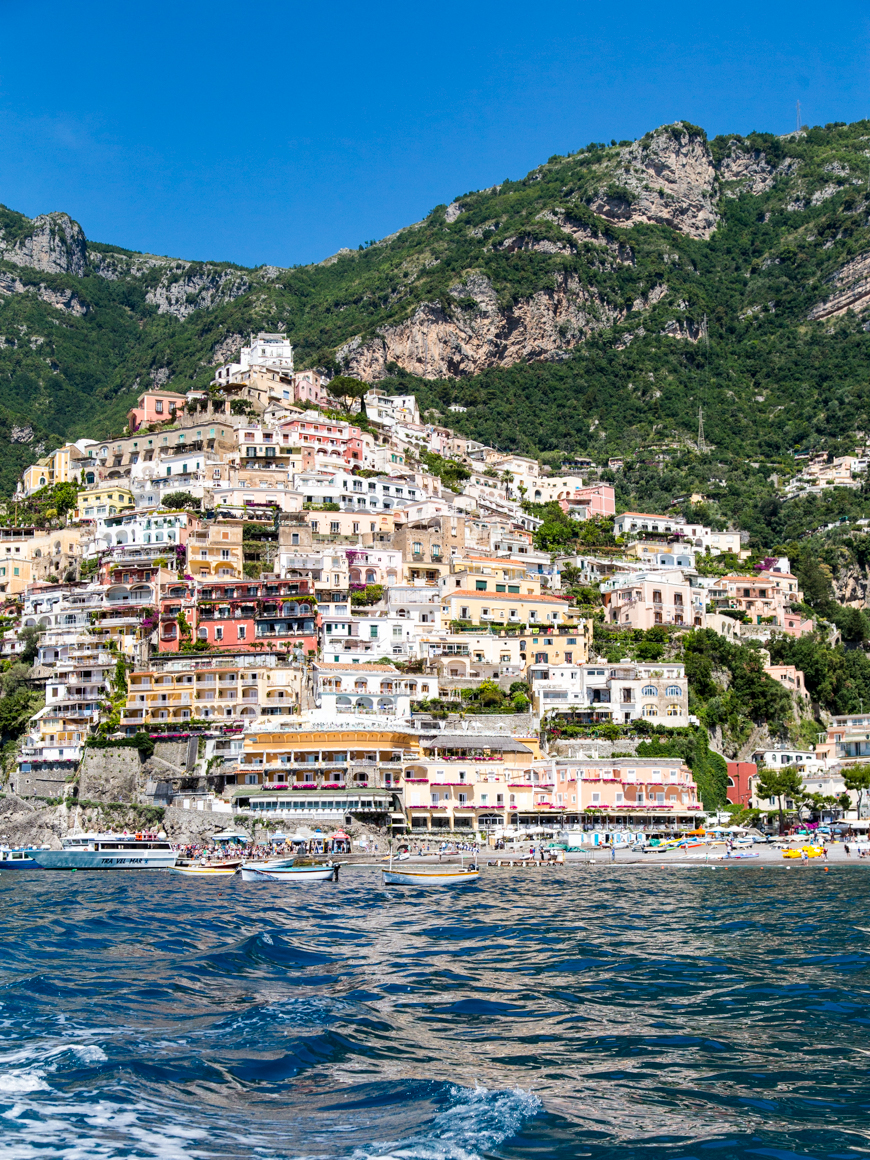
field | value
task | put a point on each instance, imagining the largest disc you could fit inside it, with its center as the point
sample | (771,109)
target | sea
(676,1013)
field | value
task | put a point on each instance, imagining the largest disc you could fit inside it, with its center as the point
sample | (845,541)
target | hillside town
(334,612)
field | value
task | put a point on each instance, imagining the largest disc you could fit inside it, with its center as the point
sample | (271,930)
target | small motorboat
(200,869)
(269,863)
(297,875)
(444,876)
(20,859)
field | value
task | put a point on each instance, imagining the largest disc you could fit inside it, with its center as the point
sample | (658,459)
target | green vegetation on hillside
(75,350)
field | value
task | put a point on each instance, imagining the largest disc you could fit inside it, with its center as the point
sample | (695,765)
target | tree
(30,638)
(779,784)
(857,779)
(347,389)
(176,500)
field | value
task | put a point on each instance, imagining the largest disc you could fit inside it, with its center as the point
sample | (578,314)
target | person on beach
(825,852)
(846,848)
(613,853)
(804,858)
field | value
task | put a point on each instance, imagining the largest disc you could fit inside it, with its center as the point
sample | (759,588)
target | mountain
(590,308)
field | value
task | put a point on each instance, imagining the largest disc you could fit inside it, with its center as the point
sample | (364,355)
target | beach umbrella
(278,838)
(339,836)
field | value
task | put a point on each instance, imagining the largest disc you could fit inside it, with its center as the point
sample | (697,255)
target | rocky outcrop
(749,171)
(436,344)
(189,288)
(666,178)
(579,232)
(852,289)
(55,245)
(64,300)
(113,265)
(851,585)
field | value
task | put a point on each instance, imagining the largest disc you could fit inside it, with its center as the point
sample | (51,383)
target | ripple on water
(580,1016)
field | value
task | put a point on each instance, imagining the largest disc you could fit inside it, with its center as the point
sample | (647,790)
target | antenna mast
(798,124)
(702,445)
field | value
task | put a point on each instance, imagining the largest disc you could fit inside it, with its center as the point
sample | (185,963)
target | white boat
(290,874)
(18,860)
(107,852)
(270,863)
(444,876)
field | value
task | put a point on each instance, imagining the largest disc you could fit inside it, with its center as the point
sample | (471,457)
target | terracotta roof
(356,668)
(505,596)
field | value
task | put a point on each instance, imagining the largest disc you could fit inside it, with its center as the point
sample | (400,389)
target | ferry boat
(107,852)
(18,860)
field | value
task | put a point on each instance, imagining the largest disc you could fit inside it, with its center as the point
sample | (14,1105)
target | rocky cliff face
(433,344)
(65,300)
(56,245)
(851,289)
(667,177)
(186,288)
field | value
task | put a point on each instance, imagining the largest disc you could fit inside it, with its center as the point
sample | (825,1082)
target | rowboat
(295,875)
(199,870)
(445,876)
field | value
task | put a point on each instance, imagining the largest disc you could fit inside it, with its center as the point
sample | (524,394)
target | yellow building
(320,772)
(57,467)
(228,689)
(494,602)
(215,549)
(107,500)
(27,555)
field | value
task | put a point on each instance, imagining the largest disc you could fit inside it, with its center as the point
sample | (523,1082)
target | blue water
(628,1011)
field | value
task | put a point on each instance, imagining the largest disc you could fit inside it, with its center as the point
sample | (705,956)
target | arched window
(650,691)
(417,548)
(650,711)
(674,711)
(673,691)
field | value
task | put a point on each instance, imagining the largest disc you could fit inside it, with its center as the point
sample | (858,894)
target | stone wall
(110,775)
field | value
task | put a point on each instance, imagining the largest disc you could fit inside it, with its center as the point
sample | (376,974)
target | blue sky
(278,132)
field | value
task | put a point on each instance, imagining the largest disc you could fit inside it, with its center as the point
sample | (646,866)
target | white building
(271,351)
(349,689)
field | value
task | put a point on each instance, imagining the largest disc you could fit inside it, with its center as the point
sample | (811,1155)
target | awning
(339,836)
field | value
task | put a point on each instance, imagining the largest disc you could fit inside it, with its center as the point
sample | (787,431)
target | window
(225,553)
(569,658)
(673,710)
(242,632)
(501,587)
(334,526)
(158,406)
(480,585)
(674,691)
(650,711)
(463,613)
(650,691)
(219,633)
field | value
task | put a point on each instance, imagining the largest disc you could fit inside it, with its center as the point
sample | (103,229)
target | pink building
(310,387)
(789,677)
(765,599)
(589,501)
(154,407)
(644,601)
(328,437)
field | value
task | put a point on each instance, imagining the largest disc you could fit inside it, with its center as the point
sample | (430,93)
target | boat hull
(104,859)
(429,877)
(295,875)
(207,871)
(27,862)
